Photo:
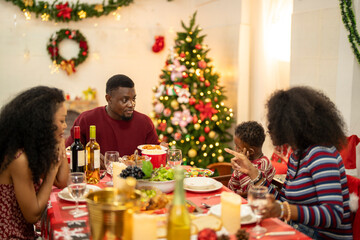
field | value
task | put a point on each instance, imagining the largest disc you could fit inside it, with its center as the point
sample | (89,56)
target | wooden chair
(224,169)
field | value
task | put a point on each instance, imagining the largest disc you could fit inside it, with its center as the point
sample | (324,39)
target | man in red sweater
(118,126)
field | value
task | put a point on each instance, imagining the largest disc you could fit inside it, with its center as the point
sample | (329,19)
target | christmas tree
(189,110)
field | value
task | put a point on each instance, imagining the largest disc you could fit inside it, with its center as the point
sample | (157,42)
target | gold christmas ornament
(192,153)
(174,104)
(152,114)
(188,39)
(214,118)
(212,134)
(197,126)
(220,158)
(169,130)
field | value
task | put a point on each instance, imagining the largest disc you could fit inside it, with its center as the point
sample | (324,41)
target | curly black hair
(118,80)
(302,116)
(251,133)
(27,122)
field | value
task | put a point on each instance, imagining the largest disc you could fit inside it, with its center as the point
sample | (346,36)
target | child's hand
(241,163)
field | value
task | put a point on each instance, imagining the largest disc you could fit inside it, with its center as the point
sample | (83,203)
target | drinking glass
(174,157)
(76,186)
(257,200)
(110,158)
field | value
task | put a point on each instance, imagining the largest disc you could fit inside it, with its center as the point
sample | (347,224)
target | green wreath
(53,49)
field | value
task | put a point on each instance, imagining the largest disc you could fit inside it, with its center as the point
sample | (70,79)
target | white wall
(116,47)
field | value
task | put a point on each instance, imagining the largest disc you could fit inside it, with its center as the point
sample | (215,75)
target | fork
(208,197)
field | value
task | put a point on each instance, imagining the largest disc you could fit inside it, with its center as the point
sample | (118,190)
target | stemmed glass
(110,158)
(174,157)
(257,200)
(76,187)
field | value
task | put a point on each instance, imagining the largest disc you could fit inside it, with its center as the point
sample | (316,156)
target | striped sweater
(240,182)
(320,192)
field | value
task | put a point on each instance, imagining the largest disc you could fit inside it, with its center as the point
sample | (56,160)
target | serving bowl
(164,186)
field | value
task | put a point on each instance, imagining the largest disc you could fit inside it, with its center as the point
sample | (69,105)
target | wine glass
(257,200)
(110,158)
(76,188)
(174,157)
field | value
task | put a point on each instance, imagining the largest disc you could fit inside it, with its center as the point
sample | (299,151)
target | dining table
(58,224)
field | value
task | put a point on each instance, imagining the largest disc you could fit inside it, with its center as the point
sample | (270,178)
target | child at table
(32,158)
(249,138)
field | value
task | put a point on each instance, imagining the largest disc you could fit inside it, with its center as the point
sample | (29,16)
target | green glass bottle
(178,226)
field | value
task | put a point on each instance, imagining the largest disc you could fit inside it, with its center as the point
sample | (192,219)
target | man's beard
(125,118)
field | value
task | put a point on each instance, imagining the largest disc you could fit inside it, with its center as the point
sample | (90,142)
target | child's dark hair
(251,132)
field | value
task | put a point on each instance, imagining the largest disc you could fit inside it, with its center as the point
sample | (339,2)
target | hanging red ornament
(192,101)
(70,37)
(185,75)
(202,64)
(201,138)
(206,129)
(201,78)
(207,83)
(177,136)
(67,32)
(182,55)
(159,44)
(162,126)
(84,53)
(215,99)
(195,119)
(198,46)
(167,112)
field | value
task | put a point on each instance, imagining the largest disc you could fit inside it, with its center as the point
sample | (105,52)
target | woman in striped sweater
(315,197)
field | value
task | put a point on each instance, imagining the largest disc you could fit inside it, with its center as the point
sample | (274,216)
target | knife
(197,208)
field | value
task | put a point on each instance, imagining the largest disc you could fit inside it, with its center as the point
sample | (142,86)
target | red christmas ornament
(177,136)
(182,55)
(167,112)
(67,32)
(202,64)
(54,51)
(192,101)
(84,53)
(83,45)
(207,234)
(64,11)
(206,129)
(201,79)
(215,99)
(70,37)
(198,46)
(185,75)
(207,83)
(195,119)
(201,138)
(162,127)
(159,44)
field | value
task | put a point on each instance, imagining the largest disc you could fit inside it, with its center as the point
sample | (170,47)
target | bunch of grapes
(132,171)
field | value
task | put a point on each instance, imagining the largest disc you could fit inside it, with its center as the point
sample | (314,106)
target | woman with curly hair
(32,158)
(315,197)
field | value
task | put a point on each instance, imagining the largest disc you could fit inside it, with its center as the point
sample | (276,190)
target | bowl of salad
(161,178)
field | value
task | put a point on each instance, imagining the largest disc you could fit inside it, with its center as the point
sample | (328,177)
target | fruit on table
(207,234)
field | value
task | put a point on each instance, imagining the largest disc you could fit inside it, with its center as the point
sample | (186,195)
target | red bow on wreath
(159,44)
(64,11)
(206,110)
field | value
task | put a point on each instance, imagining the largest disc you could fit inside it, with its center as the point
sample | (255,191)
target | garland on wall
(349,21)
(51,11)
(53,49)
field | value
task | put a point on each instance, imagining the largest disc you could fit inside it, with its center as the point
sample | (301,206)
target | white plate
(199,183)
(65,195)
(247,216)
(217,185)
(141,147)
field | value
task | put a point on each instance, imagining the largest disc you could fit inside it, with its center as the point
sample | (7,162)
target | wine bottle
(178,226)
(92,158)
(77,157)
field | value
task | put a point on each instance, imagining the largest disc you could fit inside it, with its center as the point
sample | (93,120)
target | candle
(230,211)
(144,227)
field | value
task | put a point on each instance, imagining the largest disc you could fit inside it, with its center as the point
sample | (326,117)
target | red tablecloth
(55,223)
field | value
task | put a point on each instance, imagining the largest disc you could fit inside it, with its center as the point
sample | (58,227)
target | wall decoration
(350,25)
(159,44)
(65,12)
(53,49)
